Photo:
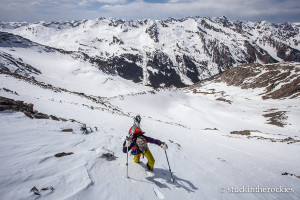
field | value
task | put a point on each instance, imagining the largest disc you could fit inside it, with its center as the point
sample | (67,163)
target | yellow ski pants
(148,155)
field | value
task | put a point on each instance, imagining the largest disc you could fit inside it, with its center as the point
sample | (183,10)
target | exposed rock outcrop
(279,80)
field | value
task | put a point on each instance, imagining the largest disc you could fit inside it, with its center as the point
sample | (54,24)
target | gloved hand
(127,143)
(164,146)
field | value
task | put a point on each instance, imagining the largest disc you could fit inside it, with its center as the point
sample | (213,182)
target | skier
(137,143)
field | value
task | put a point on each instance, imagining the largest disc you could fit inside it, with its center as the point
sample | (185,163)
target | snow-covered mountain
(168,52)
(74,71)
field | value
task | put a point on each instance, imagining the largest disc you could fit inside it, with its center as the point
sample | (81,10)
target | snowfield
(208,161)
(76,75)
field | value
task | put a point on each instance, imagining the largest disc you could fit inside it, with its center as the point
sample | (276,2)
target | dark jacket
(133,144)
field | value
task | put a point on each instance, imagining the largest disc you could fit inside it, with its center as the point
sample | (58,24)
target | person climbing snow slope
(137,142)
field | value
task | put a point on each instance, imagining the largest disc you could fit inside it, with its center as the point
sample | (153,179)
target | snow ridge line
(110,108)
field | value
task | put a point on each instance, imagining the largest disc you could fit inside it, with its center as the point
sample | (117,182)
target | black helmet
(138,119)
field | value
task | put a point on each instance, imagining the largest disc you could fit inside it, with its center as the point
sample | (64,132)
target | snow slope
(205,157)
(62,70)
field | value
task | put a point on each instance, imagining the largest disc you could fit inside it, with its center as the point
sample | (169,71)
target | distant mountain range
(172,52)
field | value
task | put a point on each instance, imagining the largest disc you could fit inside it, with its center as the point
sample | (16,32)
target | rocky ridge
(278,80)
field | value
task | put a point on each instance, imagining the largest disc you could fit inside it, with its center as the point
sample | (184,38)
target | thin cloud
(92,2)
(235,9)
(111,1)
(253,10)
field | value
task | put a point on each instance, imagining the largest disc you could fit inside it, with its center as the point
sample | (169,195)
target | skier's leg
(136,158)
(150,159)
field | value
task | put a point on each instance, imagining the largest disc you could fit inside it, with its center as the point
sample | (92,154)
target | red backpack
(140,141)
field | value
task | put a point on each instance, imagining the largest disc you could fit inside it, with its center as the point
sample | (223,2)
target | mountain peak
(190,48)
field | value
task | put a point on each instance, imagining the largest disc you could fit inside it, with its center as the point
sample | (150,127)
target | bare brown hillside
(281,80)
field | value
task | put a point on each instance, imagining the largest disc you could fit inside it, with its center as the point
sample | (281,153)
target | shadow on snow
(164,174)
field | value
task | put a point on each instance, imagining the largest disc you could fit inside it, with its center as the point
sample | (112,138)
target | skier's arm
(153,141)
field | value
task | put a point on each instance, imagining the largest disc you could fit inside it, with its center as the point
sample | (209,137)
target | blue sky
(53,10)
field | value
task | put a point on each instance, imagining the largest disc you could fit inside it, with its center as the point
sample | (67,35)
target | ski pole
(133,128)
(169,168)
(127,162)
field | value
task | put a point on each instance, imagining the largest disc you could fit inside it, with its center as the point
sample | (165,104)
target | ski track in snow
(158,193)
